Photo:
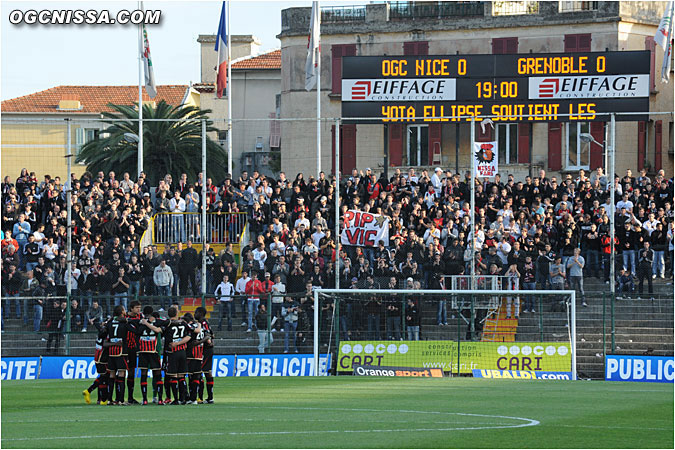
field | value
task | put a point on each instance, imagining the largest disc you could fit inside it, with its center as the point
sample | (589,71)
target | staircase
(497,328)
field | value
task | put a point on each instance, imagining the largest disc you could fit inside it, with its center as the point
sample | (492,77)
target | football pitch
(350,412)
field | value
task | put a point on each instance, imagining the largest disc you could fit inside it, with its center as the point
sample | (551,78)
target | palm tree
(173,146)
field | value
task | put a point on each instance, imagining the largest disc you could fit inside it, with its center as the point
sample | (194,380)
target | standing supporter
(223,293)
(254,288)
(645,264)
(575,265)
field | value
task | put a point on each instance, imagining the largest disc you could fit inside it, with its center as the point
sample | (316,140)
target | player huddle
(131,339)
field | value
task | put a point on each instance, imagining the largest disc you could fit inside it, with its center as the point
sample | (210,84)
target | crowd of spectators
(541,232)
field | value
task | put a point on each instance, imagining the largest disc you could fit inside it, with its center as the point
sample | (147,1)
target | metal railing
(572,6)
(221,228)
(339,14)
(431,10)
(506,8)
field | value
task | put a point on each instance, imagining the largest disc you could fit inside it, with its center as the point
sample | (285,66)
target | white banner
(485,158)
(592,86)
(389,90)
(364,229)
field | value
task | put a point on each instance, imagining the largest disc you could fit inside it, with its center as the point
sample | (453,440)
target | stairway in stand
(497,328)
(190,304)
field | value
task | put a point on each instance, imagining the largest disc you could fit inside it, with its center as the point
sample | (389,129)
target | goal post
(484,333)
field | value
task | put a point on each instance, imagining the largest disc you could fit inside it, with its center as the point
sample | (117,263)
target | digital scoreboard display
(507,88)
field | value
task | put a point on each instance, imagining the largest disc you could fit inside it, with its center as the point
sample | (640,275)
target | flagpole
(229,92)
(140,95)
(318,95)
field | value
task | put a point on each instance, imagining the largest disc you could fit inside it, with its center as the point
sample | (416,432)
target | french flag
(221,48)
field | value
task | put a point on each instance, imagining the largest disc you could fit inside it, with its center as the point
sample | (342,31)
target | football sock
(201,390)
(182,388)
(194,386)
(112,387)
(120,389)
(95,384)
(209,385)
(167,381)
(174,388)
(144,387)
(130,386)
(159,388)
(209,389)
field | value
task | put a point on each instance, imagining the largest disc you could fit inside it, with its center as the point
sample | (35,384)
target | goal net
(480,333)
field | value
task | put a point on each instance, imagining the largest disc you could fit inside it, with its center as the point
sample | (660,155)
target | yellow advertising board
(447,355)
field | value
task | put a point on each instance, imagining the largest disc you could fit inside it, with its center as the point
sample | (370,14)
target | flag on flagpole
(662,32)
(221,48)
(150,85)
(664,38)
(313,48)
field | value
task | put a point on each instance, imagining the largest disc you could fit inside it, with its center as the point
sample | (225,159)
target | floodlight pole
(473,204)
(337,204)
(612,208)
(573,334)
(69,240)
(203,214)
(316,333)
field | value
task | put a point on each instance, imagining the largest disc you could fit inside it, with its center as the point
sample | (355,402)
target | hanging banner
(364,229)
(485,158)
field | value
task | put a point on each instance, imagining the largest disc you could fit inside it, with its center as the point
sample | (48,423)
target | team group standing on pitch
(130,339)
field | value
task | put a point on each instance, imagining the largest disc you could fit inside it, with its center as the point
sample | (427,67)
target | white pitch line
(528,423)
(613,428)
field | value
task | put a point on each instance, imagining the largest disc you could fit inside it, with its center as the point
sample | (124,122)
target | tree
(173,146)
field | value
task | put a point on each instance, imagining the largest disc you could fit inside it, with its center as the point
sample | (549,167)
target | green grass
(340,412)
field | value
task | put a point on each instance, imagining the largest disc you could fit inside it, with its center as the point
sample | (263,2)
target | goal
(480,333)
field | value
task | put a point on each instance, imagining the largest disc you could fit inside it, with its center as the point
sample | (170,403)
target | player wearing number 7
(117,329)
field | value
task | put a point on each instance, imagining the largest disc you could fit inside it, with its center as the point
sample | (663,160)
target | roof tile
(94,99)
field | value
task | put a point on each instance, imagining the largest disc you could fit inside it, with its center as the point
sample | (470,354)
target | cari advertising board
(525,356)
(68,368)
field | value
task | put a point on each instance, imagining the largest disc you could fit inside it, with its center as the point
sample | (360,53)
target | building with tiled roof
(256,85)
(34,129)
(87,99)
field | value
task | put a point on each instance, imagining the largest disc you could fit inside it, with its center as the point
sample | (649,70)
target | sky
(37,57)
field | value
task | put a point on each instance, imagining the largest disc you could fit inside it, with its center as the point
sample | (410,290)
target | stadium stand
(130,239)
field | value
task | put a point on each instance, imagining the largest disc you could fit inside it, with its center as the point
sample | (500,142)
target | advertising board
(81,367)
(507,87)
(647,369)
(528,356)
(522,374)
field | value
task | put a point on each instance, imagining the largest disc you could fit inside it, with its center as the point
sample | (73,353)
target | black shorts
(194,365)
(101,367)
(132,358)
(117,363)
(177,363)
(207,360)
(147,360)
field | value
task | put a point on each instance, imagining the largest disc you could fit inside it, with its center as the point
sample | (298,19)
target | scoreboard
(509,88)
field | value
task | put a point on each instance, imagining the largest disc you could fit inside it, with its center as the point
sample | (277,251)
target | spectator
(253,290)
(93,316)
(645,264)
(76,315)
(575,266)
(265,338)
(557,273)
(624,283)
(56,318)
(224,292)
(412,320)
(290,313)
(163,280)
(120,288)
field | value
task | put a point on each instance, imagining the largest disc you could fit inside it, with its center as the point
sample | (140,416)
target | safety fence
(221,228)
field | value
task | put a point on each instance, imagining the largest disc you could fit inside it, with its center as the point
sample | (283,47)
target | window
(507,141)
(417,153)
(502,46)
(577,42)
(337,52)
(577,152)
(83,136)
